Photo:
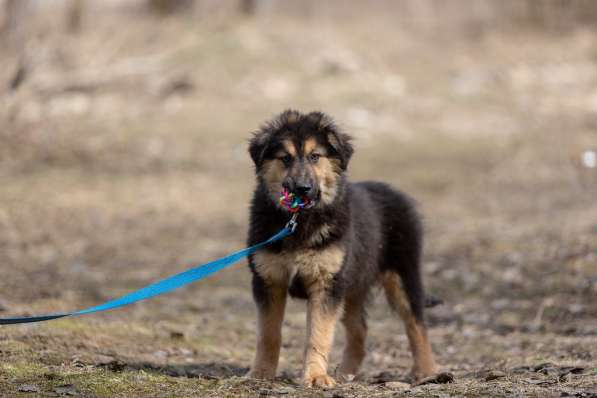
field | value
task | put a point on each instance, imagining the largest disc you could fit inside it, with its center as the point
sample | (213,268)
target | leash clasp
(292,224)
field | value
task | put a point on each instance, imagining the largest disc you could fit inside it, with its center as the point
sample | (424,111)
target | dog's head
(305,154)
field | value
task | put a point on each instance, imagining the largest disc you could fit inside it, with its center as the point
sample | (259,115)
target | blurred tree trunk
(13,25)
(74,15)
(165,7)
(248,7)
(254,7)
(13,34)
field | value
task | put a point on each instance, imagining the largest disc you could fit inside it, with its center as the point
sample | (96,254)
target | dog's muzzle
(295,203)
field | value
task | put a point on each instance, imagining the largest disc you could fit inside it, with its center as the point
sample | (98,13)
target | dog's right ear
(258,146)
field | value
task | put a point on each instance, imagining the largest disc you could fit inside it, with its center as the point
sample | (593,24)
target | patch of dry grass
(123,160)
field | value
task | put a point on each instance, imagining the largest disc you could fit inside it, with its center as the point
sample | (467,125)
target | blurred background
(123,136)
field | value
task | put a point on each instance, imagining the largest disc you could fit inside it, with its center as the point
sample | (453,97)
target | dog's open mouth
(294,203)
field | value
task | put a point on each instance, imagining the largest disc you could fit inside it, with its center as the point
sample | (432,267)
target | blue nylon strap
(164,286)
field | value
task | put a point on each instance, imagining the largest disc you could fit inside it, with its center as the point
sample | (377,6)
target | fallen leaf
(397,385)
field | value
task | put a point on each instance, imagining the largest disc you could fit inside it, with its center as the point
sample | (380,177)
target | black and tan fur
(357,235)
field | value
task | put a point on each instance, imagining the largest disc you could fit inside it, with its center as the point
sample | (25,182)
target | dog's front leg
(322,314)
(270,308)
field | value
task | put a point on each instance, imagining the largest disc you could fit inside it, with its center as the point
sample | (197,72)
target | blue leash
(165,285)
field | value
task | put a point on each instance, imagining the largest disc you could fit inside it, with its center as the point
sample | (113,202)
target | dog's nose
(302,189)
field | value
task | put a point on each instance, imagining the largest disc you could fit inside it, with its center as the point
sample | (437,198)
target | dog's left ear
(340,142)
(258,146)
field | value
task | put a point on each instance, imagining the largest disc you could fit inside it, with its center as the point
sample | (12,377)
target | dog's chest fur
(314,266)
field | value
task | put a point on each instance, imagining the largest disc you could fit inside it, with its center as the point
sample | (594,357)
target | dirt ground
(123,160)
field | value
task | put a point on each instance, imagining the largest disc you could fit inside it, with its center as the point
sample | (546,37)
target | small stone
(345,378)
(161,354)
(384,377)
(397,385)
(538,382)
(432,301)
(186,352)
(102,360)
(286,377)
(543,366)
(78,362)
(28,388)
(571,369)
(565,378)
(521,369)
(51,375)
(332,394)
(181,371)
(110,363)
(66,390)
(494,375)
(116,365)
(284,390)
(440,378)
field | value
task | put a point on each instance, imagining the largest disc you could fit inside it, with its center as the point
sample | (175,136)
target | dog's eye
(314,157)
(286,159)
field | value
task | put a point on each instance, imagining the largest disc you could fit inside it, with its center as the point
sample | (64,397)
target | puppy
(355,236)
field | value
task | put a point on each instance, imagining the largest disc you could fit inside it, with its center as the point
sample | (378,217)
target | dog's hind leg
(398,298)
(355,324)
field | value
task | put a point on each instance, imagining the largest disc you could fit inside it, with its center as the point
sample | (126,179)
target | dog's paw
(322,380)
(345,373)
(343,377)
(418,373)
(264,374)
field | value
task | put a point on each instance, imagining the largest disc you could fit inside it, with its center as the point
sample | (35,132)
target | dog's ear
(339,142)
(258,145)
